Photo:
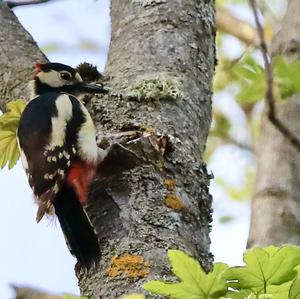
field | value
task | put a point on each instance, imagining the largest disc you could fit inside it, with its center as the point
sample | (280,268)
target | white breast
(86,144)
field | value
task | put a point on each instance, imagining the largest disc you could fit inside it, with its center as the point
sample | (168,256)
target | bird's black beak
(82,87)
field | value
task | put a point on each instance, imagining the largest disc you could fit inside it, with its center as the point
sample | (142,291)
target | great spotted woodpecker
(56,136)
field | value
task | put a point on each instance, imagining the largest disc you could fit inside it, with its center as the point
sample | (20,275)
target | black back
(34,134)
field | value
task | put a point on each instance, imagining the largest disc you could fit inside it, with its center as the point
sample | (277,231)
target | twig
(269,96)
(12,4)
(30,293)
(268,13)
(241,145)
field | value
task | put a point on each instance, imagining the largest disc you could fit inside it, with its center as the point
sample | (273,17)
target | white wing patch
(23,157)
(86,138)
(24,161)
(59,122)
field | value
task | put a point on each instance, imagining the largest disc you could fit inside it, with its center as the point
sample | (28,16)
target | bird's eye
(65,76)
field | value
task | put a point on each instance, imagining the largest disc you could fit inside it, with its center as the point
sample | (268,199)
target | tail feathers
(76,226)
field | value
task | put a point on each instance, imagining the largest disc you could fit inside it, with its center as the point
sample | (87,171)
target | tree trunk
(276,203)
(161,59)
(153,196)
(18,54)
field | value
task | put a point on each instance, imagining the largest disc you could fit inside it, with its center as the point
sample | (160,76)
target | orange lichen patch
(170,184)
(172,201)
(132,266)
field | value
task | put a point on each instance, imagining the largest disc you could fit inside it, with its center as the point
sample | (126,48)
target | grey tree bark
(275,208)
(160,66)
(18,53)
(161,60)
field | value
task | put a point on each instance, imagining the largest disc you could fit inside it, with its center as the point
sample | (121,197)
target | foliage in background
(240,82)
(241,192)
(271,272)
(251,77)
(9,122)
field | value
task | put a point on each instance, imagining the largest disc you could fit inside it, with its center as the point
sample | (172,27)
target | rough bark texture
(161,60)
(161,63)
(276,204)
(18,53)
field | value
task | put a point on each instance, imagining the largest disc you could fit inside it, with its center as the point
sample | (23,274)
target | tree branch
(230,24)
(268,14)
(13,4)
(239,144)
(269,96)
(31,293)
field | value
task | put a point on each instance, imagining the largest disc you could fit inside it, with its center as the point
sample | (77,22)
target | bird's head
(49,77)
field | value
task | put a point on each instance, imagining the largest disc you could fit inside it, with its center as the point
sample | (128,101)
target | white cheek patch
(59,122)
(51,78)
(86,143)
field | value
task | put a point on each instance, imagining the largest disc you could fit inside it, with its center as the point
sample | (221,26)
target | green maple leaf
(252,80)
(194,282)
(280,291)
(266,268)
(9,122)
(242,294)
(294,292)
(287,76)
